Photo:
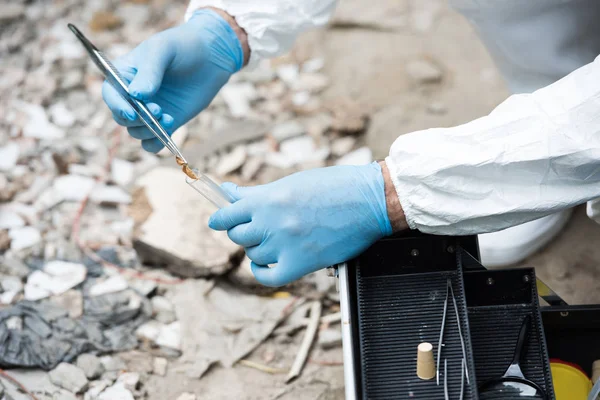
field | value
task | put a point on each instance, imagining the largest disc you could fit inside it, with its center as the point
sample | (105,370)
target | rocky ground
(112,286)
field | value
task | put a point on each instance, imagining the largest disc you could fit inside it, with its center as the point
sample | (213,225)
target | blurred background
(112,285)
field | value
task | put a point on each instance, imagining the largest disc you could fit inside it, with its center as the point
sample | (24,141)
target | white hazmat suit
(536,154)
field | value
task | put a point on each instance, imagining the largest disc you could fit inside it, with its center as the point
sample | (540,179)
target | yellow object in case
(569,382)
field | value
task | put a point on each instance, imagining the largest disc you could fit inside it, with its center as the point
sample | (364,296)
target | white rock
(330,338)
(313,65)
(149,331)
(287,130)
(360,156)
(56,278)
(11,284)
(179,137)
(142,286)
(8,297)
(121,172)
(38,126)
(170,336)
(61,115)
(258,148)
(9,155)
(278,160)
(160,366)
(103,194)
(89,170)
(251,168)
(90,365)
(232,161)
(301,98)
(238,96)
(288,73)
(187,396)
(311,82)
(72,187)
(14,323)
(437,108)
(96,387)
(10,219)
(72,301)
(23,238)
(302,150)
(130,380)
(69,377)
(176,230)
(40,183)
(116,392)
(113,284)
(160,303)
(342,145)
(424,71)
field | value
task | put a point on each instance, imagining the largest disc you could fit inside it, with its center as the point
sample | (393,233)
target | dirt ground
(366,61)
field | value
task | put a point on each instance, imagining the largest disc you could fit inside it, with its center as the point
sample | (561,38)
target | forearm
(271,26)
(535,154)
(393,206)
(239,32)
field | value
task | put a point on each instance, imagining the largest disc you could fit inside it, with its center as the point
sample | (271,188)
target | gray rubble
(69,377)
(90,365)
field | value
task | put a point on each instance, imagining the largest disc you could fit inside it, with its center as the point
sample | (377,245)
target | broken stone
(233,133)
(313,65)
(238,96)
(72,79)
(4,240)
(113,284)
(95,388)
(69,377)
(116,392)
(330,338)
(130,380)
(105,20)
(8,297)
(9,155)
(23,238)
(311,82)
(342,145)
(35,380)
(72,301)
(14,266)
(302,150)
(143,286)
(259,148)
(65,188)
(61,115)
(170,336)
(149,331)
(348,116)
(251,168)
(160,366)
(90,365)
(231,161)
(121,172)
(56,278)
(38,126)
(10,219)
(187,396)
(288,73)
(113,363)
(11,284)
(360,156)
(287,130)
(109,195)
(176,233)
(424,71)
(163,310)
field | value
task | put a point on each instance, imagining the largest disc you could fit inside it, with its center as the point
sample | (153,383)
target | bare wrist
(239,32)
(394,208)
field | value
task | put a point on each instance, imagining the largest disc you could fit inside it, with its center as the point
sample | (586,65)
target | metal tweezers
(114,78)
(464,371)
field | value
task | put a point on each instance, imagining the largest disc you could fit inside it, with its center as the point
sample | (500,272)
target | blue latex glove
(306,221)
(177,72)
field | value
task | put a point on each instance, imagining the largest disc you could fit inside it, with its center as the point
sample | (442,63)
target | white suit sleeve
(272,25)
(535,154)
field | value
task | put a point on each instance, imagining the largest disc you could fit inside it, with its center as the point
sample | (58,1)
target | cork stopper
(425,363)
(595,371)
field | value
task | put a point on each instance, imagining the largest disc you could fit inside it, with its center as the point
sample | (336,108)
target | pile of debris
(86,216)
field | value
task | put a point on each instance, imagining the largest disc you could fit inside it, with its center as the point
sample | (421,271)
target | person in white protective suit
(511,176)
